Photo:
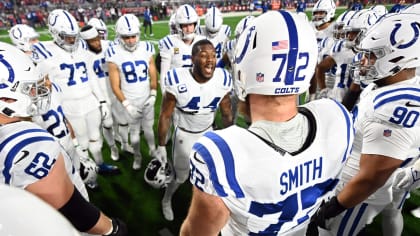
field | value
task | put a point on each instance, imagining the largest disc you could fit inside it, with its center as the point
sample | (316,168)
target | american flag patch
(278,45)
(387,132)
(260,77)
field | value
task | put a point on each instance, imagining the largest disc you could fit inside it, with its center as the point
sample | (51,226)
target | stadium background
(128,197)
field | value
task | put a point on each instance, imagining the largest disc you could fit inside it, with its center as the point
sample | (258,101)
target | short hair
(197,45)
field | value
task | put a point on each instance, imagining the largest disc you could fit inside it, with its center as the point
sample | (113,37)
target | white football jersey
(175,53)
(267,190)
(230,49)
(386,123)
(54,119)
(343,57)
(73,73)
(219,41)
(100,68)
(134,69)
(197,102)
(325,33)
(28,153)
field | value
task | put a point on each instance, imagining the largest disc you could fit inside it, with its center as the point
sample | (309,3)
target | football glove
(161,155)
(406,177)
(327,210)
(150,101)
(324,93)
(119,228)
(105,112)
(132,110)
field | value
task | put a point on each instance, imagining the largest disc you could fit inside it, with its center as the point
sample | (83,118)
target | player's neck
(272,108)
(405,74)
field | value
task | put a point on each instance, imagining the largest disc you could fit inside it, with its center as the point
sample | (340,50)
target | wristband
(153,92)
(126,103)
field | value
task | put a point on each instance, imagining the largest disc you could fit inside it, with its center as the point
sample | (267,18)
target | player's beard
(244,109)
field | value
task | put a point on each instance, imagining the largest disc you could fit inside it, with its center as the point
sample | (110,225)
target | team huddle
(331,106)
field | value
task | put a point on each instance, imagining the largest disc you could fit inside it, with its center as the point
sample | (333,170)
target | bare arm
(374,172)
(56,189)
(207,215)
(114,77)
(320,70)
(153,73)
(226,110)
(166,110)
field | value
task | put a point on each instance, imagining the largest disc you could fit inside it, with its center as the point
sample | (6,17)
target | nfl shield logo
(387,132)
(260,77)
(176,50)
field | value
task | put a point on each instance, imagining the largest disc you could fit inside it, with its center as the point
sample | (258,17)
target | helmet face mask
(390,46)
(158,175)
(22,89)
(64,29)
(127,27)
(186,15)
(88,170)
(323,12)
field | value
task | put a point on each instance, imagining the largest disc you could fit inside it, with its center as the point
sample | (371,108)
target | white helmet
(157,175)
(128,25)
(213,21)
(242,24)
(100,26)
(326,6)
(61,24)
(22,36)
(186,15)
(88,170)
(360,23)
(342,20)
(277,60)
(415,9)
(21,81)
(172,24)
(23,213)
(395,43)
(380,10)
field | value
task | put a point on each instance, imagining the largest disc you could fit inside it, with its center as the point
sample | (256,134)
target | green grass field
(128,197)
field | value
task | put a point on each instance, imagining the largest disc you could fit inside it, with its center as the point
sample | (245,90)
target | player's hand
(119,228)
(326,211)
(105,112)
(324,93)
(132,110)
(150,101)
(161,155)
(406,177)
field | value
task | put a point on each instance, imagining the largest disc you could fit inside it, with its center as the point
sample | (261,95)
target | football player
(97,47)
(267,179)
(386,123)
(31,158)
(101,70)
(323,14)
(133,77)
(175,49)
(68,65)
(342,54)
(215,31)
(194,95)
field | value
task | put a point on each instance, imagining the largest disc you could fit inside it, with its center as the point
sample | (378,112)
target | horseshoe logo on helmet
(245,48)
(6,64)
(411,42)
